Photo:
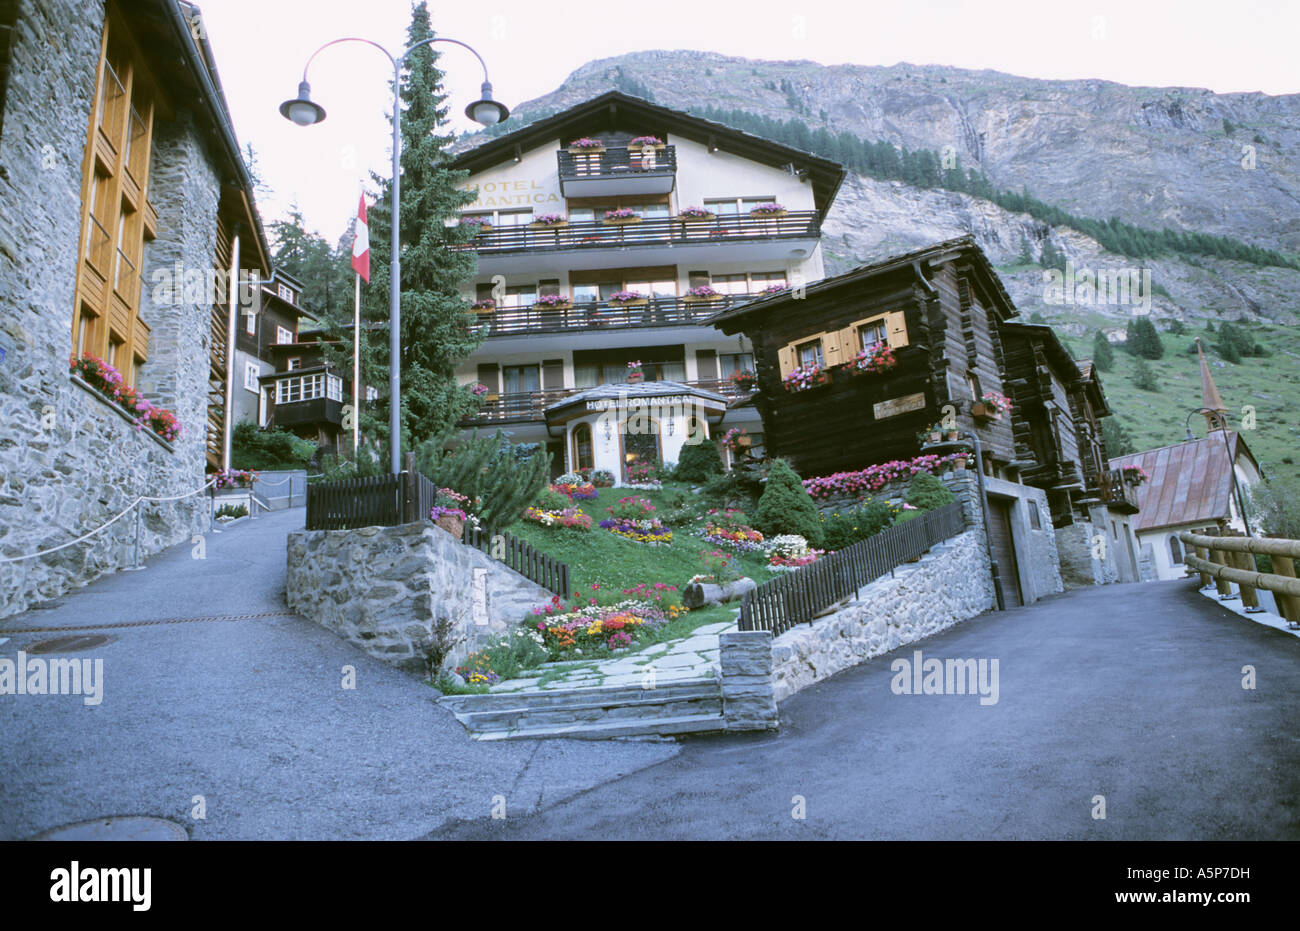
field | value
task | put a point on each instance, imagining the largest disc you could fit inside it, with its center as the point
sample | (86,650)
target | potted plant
(702,292)
(552,302)
(959,461)
(479,390)
(622,216)
(549,221)
(627,298)
(774,289)
(745,381)
(449,511)
(476,224)
(586,146)
(1134,475)
(484,306)
(770,209)
(736,439)
(688,214)
(931,434)
(991,406)
(634,371)
(640,142)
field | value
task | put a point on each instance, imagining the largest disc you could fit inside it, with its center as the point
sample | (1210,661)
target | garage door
(1004,551)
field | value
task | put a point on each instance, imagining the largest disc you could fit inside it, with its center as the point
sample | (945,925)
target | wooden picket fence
(521,556)
(797,597)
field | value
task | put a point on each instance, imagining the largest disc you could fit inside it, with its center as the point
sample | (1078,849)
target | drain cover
(74,644)
(118,827)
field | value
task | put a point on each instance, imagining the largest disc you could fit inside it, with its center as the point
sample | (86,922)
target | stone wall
(380,588)
(948,585)
(1037,555)
(68,460)
(745,673)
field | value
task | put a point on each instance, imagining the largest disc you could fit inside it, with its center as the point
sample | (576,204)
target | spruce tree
(436,333)
(1144,377)
(1103,356)
(1026,254)
(786,506)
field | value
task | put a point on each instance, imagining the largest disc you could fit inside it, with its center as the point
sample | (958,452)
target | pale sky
(530,47)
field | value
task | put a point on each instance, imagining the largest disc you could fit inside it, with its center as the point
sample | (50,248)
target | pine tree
(1026,254)
(1103,356)
(786,506)
(436,332)
(1144,377)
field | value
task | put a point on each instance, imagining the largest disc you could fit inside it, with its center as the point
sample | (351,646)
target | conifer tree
(1103,356)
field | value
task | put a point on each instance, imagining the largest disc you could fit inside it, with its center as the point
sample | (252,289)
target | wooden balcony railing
(1117,493)
(655,312)
(662,231)
(525,406)
(618,162)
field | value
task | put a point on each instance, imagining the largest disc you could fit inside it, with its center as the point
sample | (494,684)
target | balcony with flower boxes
(530,406)
(643,169)
(568,317)
(1119,491)
(604,243)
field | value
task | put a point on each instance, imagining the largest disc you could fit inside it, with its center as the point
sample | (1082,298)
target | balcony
(529,406)
(656,312)
(1117,493)
(658,241)
(311,411)
(617,171)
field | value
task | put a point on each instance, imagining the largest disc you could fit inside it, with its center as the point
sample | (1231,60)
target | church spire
(1214,408)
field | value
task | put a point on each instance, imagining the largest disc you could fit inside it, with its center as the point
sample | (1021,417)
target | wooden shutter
(896,326)
(832,348)
(848,341)
(489,373)
(786,357)
(552,374)
(706,364)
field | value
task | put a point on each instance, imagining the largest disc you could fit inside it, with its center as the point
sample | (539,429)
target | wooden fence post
(1223,586)
(1203,553)
(1249,597)
(410,494)
(1287,605)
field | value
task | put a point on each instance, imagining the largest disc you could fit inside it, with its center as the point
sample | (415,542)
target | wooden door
(1004,551)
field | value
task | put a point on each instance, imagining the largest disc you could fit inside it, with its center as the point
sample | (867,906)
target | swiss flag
(361,243)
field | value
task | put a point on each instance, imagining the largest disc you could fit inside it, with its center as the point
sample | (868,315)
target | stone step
(550,698)
(577,713)
(608,729)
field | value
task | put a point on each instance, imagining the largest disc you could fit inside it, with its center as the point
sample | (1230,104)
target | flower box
(482,308)
(548,226)
(635,377)
(981,411)
(621,221)
(452,524)
(768,210)
(696,217)
(640,142)
(552,302)
(586,146)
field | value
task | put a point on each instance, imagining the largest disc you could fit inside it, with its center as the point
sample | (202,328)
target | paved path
(251,715)
(1130,692)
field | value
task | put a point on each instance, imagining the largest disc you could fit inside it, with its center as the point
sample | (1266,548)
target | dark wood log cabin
(1059,404)
(938,308)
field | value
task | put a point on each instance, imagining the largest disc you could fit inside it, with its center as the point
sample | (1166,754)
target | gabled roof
(1067,369)
(615,109)
(729,321)
(635,391)
(1190,482)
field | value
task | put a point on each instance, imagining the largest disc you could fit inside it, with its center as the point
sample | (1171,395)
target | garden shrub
(550,500)
(489,468)
(678,507)
(698,462)
(926,492)
(254,448)
(844,528)
(786,507)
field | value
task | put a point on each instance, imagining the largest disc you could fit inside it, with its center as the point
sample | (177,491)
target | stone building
(126,213)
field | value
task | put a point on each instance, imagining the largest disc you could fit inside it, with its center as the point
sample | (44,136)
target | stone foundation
(381,588)
(748,697)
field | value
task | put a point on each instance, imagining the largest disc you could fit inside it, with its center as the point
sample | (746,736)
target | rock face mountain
(1183,158)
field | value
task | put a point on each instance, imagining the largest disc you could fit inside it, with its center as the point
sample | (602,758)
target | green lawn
(600,557)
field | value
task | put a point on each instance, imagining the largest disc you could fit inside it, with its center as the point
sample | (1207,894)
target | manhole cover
(118,827)
(74,644)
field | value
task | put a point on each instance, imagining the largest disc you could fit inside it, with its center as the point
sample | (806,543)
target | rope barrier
(109,523)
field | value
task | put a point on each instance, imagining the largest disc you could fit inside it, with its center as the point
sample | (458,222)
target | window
(250,322)
(809,353)
(521,378)
(334,387)
(301,388)
(1175,550)
(114,204)
(251,372)
(282,335)
(294,363)
(520,296)
(732,362)
(731,284)
(285,292)
(1035,519)
(515,217)
(735,206)
(582,447)
(869,334)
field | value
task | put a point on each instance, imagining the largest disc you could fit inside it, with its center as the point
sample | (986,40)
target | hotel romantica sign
(511,193)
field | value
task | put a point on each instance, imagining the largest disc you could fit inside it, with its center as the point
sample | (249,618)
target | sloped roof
(1190,482)
(616,109)
(635,390)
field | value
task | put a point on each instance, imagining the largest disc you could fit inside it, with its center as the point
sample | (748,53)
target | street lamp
(1232,466)
(303,111)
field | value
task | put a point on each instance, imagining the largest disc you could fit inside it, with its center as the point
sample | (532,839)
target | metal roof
(1190,482)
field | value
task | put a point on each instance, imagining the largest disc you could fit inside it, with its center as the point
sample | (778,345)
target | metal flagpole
(356,371)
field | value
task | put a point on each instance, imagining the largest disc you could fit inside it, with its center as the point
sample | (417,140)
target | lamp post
(303,111)
(1232,465)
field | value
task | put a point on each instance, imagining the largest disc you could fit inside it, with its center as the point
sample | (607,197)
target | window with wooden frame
(841,346)
(583,456)
(116,216)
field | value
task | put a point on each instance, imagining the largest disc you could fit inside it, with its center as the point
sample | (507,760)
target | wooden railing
(1117,493)
(616,162)
(525,406)
(1227,559)
(655,312)
(387,500)
(660,231)
(799,596)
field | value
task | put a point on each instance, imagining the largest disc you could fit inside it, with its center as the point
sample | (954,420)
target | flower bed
(873,478)
(602,479)
(576,630)
(568,518)
(643,476)
(791,551)
(639,530)
(108,381)
(477,670)
(575,491)
(743,539)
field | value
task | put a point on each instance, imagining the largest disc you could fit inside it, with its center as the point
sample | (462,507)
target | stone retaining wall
(948,585)
(381,588)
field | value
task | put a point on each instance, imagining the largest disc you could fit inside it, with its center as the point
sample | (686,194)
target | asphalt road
(251,715)
(1132,693)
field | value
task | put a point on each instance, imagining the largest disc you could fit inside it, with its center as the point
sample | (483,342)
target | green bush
(786,506)
(698,462)
(253,448)
(549,500)
(844,528)
(926,492)
(490,468)
(678,506)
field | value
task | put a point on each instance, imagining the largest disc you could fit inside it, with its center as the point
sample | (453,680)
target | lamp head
(486,110)
(301,109)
